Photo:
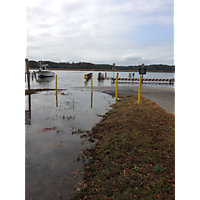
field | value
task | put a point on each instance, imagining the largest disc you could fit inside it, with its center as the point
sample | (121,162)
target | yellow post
(139,90)
(91,90)
(56,83)
(91,84)
(116,87)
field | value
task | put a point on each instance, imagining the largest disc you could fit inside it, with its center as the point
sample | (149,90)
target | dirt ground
(164,97)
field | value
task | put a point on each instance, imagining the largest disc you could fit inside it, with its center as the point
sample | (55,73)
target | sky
(128,32)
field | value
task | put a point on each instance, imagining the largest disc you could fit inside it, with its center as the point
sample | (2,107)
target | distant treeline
(91,66)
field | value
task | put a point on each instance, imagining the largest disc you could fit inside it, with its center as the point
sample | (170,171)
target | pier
(27,72)
(102,77)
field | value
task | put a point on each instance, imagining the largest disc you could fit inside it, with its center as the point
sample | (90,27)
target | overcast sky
(125,32)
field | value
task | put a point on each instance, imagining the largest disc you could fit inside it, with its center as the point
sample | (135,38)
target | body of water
(68,79)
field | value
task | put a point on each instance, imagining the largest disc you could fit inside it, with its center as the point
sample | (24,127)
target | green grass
(135,155)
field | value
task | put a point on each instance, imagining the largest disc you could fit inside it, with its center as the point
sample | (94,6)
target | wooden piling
(28,75)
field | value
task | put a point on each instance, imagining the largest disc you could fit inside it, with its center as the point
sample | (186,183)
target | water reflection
(85,83)
(46,79)
(91,98)
(39,79)
(56,99)
(52,169)
(28,112)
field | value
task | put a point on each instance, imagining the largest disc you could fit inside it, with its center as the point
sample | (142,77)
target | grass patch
(135,155)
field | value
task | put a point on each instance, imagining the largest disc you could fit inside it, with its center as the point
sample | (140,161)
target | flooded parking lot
(53,126)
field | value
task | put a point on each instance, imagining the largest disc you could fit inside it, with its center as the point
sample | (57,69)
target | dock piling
(27,71)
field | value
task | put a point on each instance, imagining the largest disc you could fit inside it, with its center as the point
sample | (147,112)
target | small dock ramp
(87,76)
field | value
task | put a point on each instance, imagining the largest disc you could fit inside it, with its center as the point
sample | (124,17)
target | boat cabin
(44,71)
(44,67)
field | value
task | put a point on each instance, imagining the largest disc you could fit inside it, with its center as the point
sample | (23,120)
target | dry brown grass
(135,155)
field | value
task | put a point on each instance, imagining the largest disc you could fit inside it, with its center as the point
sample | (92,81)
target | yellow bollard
(91,90)
(56,83)
(139,90)
(116,87)
(91,84)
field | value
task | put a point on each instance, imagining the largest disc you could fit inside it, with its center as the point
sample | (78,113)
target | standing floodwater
(68,79)
(52,145)
(52,126)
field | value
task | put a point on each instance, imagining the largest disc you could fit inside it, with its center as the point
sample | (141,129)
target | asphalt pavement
(162,96)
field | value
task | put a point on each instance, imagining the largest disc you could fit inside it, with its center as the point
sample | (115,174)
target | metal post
(56,92)
(142,70)
(91,89)
(139,90)
(91,83)
(56,83)
(116,87)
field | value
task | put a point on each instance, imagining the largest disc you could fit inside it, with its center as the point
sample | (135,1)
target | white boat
(44,71)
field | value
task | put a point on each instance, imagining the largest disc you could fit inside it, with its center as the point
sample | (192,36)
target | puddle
(52,148)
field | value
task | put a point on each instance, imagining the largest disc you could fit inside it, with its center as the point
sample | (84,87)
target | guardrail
(172,80)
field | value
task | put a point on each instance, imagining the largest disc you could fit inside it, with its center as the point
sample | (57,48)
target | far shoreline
(110,70)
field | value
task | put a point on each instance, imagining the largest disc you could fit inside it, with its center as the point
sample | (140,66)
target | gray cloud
(99,31)
(132,58)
